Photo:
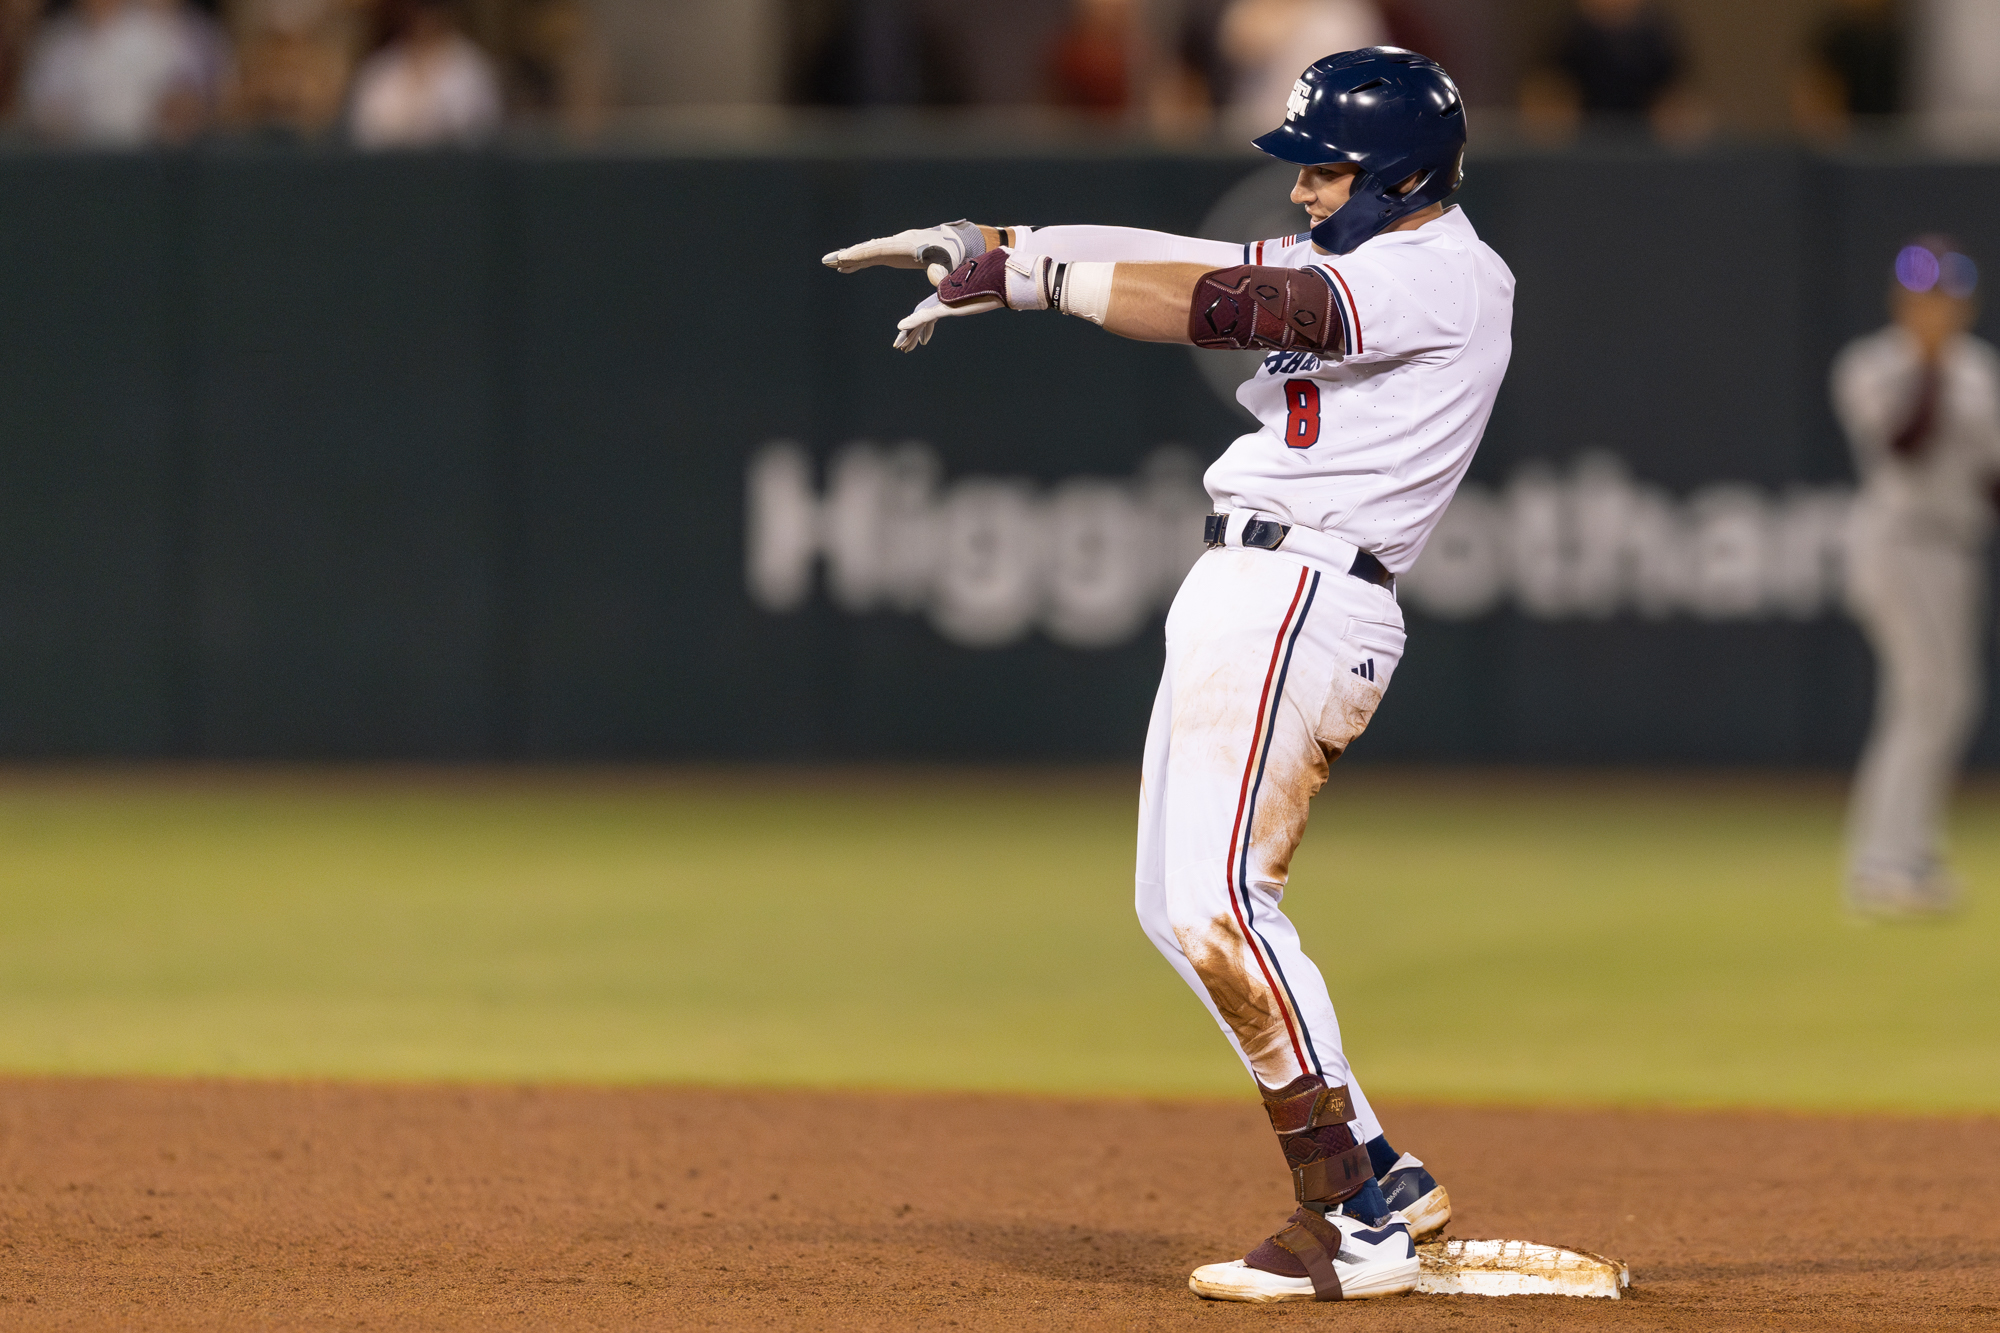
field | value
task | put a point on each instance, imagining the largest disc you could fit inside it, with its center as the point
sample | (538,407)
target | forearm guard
(1278,308)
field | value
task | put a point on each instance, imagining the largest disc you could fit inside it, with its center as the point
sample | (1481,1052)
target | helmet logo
(1295,105)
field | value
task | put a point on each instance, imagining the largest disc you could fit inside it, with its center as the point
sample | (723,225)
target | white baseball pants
(1273,667)
(1922,605)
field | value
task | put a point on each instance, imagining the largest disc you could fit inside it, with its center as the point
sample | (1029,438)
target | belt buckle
(1265,534)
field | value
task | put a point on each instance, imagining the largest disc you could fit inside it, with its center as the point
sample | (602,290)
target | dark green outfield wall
(325,456)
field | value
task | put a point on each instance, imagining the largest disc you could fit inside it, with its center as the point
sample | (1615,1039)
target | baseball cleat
(1366,1262)
(1415,1193)
(1899,897)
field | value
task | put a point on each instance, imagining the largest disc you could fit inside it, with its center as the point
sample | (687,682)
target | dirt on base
(132,1204)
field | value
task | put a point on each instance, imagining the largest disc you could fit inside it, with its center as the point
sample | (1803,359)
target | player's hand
(914,329)
(995,280)
(941,248)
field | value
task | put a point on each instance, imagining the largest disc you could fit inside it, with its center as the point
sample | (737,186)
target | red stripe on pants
(1237,831)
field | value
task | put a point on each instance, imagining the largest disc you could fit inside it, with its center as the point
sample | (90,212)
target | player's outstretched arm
(1145,302)
(1150,302)
(944,247)
(1121,245)
(1243,306)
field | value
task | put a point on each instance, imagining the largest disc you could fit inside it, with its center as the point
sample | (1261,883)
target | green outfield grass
(1498,936)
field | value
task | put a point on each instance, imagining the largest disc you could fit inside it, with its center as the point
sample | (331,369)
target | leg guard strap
(1313,1105)
(1333,1179)
(1314,1241)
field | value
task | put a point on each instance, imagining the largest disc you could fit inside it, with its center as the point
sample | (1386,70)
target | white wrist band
(1086,291)
(1026,283)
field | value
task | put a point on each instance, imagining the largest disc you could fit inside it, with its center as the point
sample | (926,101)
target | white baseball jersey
(1370,446)
(1941,494)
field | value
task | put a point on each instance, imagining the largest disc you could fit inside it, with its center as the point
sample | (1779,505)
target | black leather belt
(1267,535)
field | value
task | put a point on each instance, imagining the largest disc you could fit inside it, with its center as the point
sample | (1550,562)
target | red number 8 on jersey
(1302,413)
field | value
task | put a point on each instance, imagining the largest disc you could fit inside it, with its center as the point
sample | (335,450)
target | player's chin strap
(1374,203)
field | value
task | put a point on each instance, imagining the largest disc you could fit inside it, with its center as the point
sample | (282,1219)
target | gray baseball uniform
(1928,456)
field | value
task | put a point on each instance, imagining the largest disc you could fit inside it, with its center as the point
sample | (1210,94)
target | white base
(1517,1268)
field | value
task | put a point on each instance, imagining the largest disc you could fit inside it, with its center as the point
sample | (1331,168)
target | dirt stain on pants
(1225,963)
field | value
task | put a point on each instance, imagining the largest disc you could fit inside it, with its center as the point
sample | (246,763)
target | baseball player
(1920,403)
(1387,333)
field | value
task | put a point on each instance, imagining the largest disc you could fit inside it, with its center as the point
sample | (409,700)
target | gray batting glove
(941,248)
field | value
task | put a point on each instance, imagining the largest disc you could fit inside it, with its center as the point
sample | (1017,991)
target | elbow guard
(1278,308)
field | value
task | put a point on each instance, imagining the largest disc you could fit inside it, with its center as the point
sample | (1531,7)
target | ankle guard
(1311,1120)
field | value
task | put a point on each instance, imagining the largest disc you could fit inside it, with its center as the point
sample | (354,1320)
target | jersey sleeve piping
(1253,251)
(1343,301)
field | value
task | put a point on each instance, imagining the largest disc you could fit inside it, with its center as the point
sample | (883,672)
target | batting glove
(995,280)
(941,248)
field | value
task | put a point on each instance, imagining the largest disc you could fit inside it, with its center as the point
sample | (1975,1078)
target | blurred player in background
(1920,402)
(1388,331)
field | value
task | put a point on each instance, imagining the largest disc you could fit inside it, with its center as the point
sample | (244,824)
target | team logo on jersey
(1295,105)
(1290,363)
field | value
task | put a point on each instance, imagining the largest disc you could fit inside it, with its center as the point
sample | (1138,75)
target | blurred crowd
(1628,61)
(1562,64)
(383,73)
(387,73)
(1188,63)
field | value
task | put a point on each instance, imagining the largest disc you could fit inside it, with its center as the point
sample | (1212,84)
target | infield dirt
(142,1205)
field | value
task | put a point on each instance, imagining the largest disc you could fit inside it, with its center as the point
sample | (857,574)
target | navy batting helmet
(1391,112)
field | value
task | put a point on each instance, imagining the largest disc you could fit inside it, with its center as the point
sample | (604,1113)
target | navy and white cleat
(1415,1193)
(1317,1258)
